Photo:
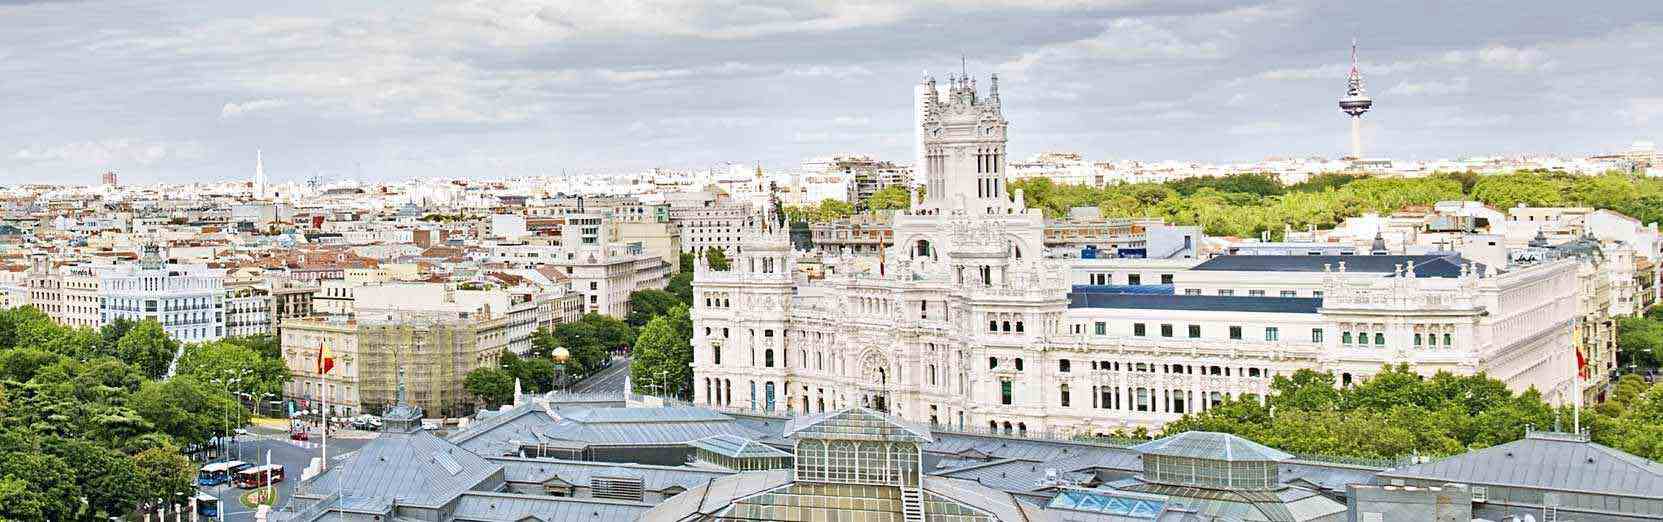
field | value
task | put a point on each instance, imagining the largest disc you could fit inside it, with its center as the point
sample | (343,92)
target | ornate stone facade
(964,321)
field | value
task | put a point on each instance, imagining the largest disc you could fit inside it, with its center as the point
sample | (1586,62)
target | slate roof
(642,426)
(579,473)
(1219,303)
(1124,289)
(1546,461)
(417,468)
(1435,265)
(737,447)
(857,423)
(1212,446)
(481,505)
(717,494)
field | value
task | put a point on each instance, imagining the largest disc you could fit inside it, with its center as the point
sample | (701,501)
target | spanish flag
(326,360)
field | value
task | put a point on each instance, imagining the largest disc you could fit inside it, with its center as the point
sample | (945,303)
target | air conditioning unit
(1480,494)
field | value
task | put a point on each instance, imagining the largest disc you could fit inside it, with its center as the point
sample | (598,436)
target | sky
(187,91)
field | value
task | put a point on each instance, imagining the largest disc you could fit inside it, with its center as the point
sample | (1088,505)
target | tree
(893,197)
(718,259)
(19,500)
(649,303)
(49,476)
(1393,413)
(221,361)
(188,410)
(165,474)
(681,286)
(109,336)
(591,340)
(663,354)
(1639,342)
(492,386)
(148,348)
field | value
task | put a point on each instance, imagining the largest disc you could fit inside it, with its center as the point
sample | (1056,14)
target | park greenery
(1640,341)
(88,429)
(1631,419)
(1245,205)
(1395,413)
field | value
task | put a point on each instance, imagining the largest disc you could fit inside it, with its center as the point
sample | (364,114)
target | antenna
(964,66)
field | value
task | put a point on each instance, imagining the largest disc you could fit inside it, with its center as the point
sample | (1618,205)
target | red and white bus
(259,476)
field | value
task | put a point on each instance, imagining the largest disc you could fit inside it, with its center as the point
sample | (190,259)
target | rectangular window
(1317,294)
(1065,396)
(1272,333)
(1235,332)
(1379,338)
(1134,279)
(1256,293)
(1166,279)
(1166,330)
(1449,340)
(1005,392)
(1192,291)
(1290,293)
(1316,335)
(1345,337)
(1226,292)
(1138,329)
(1417,339)
(594,285)
(1195,331)
(1102,328)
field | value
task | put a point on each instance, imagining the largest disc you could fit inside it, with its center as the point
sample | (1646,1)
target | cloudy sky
(184,91)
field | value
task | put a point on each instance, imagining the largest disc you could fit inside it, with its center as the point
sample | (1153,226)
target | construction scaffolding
(436,353)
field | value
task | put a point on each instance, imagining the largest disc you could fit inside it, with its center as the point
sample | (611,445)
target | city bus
(216,473)
(206,505)
(259,476)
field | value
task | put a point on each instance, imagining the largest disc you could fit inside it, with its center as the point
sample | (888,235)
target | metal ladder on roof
(1550,513)
(912,504)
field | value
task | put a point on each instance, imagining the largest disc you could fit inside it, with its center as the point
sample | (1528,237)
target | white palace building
(966,323)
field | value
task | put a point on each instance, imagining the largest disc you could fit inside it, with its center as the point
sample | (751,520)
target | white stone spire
(259,175)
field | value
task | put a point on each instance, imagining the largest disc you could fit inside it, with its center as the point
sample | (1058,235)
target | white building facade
(965,323)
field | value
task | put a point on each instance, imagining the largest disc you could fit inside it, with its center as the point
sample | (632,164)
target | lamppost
(560,356)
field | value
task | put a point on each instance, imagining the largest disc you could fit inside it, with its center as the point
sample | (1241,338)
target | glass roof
(1121,505)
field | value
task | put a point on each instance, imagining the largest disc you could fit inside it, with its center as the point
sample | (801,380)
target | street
(294,455)
(609,380)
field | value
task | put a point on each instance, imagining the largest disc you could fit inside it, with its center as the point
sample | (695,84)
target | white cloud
(1514,59)
(234,109)
(1457,85)
(1256,128)
(1642,111)
(109,153)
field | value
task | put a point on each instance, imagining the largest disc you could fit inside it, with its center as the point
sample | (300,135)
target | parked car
(300,434)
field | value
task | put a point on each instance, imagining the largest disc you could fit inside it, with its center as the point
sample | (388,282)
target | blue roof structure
(1219,303)
(1124,289)
(1438,265)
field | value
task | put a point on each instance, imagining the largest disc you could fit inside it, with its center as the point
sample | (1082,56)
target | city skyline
(166,93)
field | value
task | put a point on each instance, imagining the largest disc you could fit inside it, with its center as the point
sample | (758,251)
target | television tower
(1355,103)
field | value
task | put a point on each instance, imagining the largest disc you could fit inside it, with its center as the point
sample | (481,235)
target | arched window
(1063,394)
(992,362)
(1006,326)
(768,358)
(1019,364)
(1022,428)
(932,375)
(1007,427)
(716,353)
(1019,327)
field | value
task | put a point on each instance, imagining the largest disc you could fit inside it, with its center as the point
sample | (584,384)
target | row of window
(1193,331)
(1253,293)
(1131,279)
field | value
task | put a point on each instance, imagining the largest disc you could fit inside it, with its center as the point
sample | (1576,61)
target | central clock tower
(964,149)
